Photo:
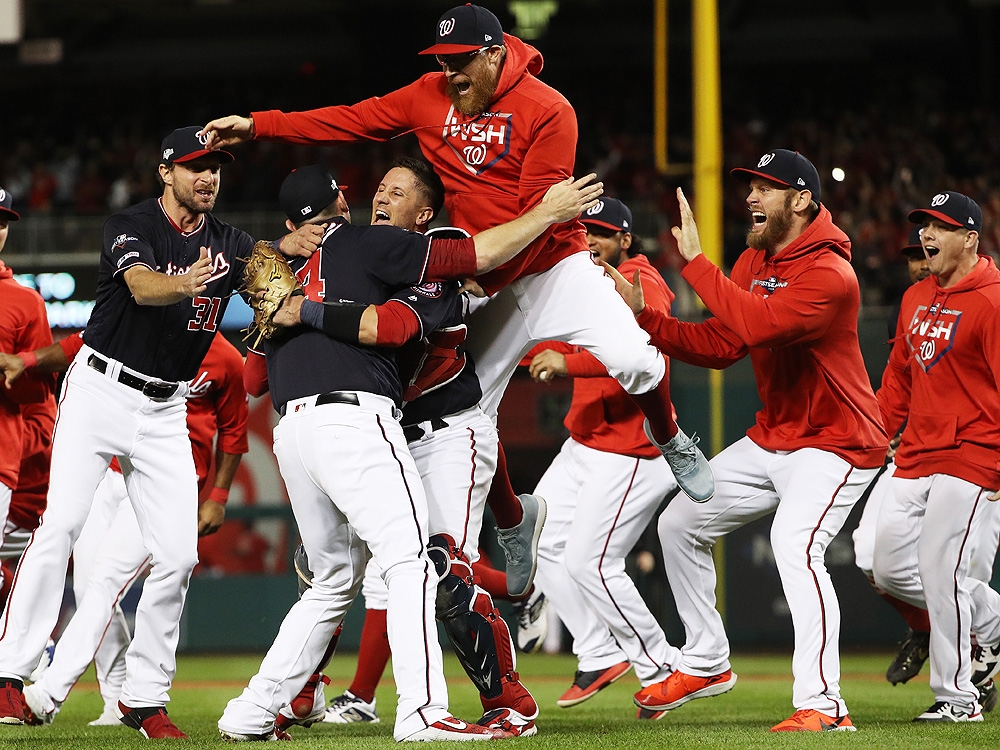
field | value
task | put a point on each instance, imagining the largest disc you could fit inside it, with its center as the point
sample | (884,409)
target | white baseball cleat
(532,621)
(108,718)
(948,714)
(450,729)
(985,663)
(40,708)
(350,709)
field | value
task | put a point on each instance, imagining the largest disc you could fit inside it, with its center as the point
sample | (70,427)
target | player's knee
(582,562)
(672,529)
(638,372)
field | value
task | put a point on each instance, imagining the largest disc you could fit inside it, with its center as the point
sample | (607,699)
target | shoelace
(511,550)
(686,449)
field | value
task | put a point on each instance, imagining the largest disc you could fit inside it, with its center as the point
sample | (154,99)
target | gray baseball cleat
(688,463)
(520,545)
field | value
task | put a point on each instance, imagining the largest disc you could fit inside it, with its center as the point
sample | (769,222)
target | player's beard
(187,197)
(474,103)
(776,228)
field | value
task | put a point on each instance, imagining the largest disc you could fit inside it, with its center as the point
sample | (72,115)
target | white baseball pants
(100,418)
(599,504)
(936,538)
(108,558)
(574,302)
(811,493)
(353,486)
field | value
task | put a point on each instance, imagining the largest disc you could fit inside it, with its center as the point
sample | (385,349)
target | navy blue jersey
(356,265)
(439,377)
(170,341)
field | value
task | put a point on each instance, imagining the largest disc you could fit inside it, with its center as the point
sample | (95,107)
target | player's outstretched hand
(303,242)
(688,243)
(227,131)
(195,280)
(994,496)
(631,292)
(568,199)
(289,313)
(210,517)
(548,364)
(11,366)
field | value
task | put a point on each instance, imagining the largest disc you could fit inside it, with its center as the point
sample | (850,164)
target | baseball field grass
(739,719)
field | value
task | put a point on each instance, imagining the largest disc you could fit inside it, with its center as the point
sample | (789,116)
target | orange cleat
(679,688)
(808,720)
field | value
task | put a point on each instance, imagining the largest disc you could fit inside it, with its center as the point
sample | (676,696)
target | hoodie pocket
(932,431)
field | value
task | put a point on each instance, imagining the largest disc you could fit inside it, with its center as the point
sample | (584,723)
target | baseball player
(792,306)
(26,408)
(602,491)
(109,554)
(936,532)
(499,137)
(913,651)
(352,483)
(447,433)
(167,270)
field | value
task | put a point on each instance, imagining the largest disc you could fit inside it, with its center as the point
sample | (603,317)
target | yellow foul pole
(708,192)
(660,84)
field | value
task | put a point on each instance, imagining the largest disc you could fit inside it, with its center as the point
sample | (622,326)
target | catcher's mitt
(269,281)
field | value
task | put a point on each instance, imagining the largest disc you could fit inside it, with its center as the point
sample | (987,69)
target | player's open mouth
(931,250)
(759,218)
(463,87)
(381,216)
(206,194)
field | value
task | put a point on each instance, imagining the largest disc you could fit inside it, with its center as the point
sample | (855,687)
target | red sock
(501,498)
(494,581)
(655,404)
(916,618)
(373,655)
(8,578)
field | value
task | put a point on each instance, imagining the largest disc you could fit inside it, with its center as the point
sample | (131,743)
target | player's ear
(289,225)
(425,216)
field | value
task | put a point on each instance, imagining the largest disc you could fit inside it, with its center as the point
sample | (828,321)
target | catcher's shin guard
(303,575)
(476,630)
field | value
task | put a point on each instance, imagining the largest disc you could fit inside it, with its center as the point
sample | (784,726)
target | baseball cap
(952,208)
(464,29)
(307,191)
(913,246)
(786,168)
(187,144)
(447,233)
(609,213)
(6,201)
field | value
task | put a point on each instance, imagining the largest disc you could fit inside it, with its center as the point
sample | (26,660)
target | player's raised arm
(228,131)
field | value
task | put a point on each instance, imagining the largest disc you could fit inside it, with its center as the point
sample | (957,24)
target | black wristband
(343,322)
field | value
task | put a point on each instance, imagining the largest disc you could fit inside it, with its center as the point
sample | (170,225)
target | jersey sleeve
(32,387)
(126,246)
(709,344)
(433,303)
(893,395)
(231,410)
(255,373)
(71,345)
(551,155)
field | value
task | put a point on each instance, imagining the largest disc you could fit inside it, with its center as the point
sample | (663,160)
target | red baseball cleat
(808,720)
(151,721)
(679,688)
(11,702)
(588,684)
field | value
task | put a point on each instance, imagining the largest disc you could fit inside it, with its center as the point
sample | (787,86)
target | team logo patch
(167,152)
(765,160)
(769,284)
(480,143)
(446,27)
(594,210)
(939,200)
(432,290)
(931,333)
(202,137)
(3,194)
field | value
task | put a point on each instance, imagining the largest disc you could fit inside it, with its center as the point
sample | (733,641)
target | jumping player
(936,526)
(602,491)
(339,444)
(792,306)
(499,137)
(167,270)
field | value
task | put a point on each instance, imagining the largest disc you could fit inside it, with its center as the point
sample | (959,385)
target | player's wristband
(219,495)
(343,322)
(30,359)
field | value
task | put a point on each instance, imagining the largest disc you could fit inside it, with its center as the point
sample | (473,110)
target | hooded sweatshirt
(796,314)
(494,167)
(943,378)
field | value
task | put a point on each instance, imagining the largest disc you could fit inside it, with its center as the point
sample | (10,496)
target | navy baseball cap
(913,246)
(187,144)
(952,208)
(306,192)
(789,168)
(6,201)
(609,213)
(465,29)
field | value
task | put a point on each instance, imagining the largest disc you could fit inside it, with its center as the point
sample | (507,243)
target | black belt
(335,397)
(157,390)
(414,431)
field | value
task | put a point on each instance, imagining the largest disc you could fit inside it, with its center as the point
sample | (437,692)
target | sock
(373,655)
(916,618)
(501,498)
(655,404)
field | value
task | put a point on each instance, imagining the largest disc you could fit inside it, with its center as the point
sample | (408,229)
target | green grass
(739,719)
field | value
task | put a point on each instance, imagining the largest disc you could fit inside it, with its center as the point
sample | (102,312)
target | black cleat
(913,652)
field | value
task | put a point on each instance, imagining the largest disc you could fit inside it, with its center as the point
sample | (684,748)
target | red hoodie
(943,378)
(602,415)
(796,313)
(494,167)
